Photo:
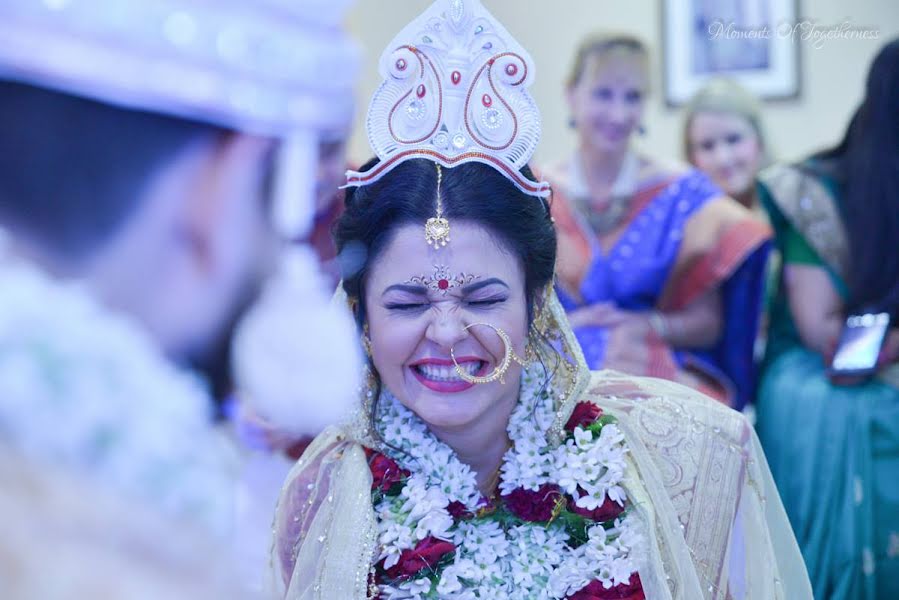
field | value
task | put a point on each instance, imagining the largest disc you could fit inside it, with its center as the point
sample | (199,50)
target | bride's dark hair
(471,192)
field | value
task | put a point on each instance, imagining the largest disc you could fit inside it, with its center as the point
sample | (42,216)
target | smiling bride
(486,460)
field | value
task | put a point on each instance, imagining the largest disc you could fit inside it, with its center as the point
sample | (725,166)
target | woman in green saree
(833,446)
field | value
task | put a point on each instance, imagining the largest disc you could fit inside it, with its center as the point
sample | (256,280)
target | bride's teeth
(447,372)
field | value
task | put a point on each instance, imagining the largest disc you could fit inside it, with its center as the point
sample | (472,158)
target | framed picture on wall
(751,41)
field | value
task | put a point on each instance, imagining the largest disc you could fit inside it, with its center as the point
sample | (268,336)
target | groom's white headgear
(280,68)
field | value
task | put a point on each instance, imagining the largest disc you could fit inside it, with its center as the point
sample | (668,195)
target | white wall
(831,87)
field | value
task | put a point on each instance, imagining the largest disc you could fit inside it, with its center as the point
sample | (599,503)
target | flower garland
(85,389)
(560,528)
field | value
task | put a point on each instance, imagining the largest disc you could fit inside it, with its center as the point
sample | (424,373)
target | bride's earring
(366,341)
(367,390)
(540,323)
(530,349)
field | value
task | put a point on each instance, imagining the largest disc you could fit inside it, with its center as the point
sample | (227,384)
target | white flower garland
(524,561)
(82,388)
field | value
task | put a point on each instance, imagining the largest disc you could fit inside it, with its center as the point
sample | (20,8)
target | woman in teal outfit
(833,447)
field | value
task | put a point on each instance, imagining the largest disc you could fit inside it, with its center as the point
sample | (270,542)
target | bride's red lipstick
(447,387)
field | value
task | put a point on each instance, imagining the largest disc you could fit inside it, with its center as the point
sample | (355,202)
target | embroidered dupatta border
(812,210)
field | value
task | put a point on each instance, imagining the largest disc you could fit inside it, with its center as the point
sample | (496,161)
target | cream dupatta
(698,477)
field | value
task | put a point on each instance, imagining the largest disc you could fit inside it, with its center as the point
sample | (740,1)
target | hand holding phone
(859,346)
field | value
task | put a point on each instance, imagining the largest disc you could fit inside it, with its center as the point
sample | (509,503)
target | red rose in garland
(623,591)
(384,471)
(606,511)
(532,506)
(583,415)
(458,511)
(426,554)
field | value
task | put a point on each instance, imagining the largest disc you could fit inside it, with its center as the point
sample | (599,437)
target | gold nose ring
(500,371)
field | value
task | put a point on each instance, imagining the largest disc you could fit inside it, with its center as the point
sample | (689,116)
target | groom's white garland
(85,389)
(560,528)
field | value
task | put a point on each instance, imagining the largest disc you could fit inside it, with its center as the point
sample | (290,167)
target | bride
(485,459)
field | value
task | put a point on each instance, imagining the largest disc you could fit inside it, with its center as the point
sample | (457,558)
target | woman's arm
(697,325)
(716,239)
(815,306)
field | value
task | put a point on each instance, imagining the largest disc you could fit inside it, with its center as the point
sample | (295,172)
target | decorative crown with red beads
(454,91)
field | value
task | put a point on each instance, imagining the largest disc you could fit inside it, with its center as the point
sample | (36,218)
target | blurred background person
(833,442)
(151,162)
(129,238)
(660,272)
(724,137)
(329,199)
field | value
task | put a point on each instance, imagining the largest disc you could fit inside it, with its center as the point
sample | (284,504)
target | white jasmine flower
(616,493)
(393,538)
(485,541)
(435,523)
(582,438)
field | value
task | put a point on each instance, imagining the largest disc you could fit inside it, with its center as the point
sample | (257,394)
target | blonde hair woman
(724,137)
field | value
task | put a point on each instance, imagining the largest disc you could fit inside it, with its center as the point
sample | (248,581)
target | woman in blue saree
(661,273)
(833,446)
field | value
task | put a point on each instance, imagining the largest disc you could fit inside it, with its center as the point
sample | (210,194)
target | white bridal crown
(455,90)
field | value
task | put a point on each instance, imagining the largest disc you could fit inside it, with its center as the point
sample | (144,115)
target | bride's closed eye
(486,302)
(406,306)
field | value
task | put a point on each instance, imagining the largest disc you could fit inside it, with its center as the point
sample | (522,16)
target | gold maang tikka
(437,229)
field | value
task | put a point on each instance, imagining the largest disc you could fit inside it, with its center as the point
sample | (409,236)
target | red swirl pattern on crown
(455,90)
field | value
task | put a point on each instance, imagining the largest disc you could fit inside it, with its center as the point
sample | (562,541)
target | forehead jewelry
(437,229)
(442,280)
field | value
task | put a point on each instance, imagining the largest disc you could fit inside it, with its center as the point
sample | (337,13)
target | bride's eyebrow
(473,287)
(418,290)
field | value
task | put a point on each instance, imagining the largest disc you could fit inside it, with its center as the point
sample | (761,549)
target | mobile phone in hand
(860,343)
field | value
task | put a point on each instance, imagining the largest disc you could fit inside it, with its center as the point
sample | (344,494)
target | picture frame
(751,41)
